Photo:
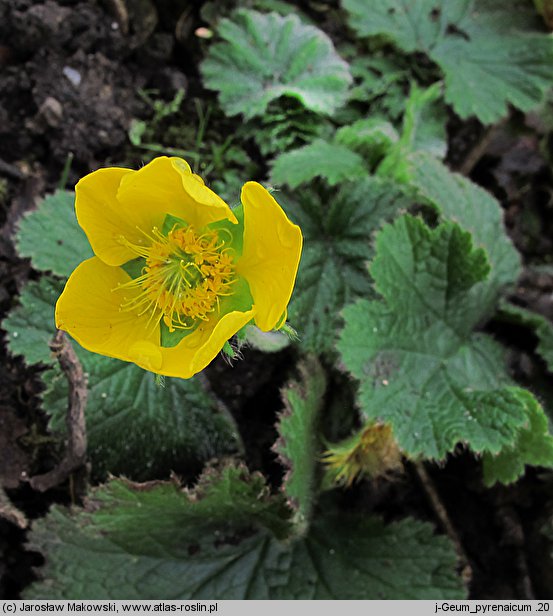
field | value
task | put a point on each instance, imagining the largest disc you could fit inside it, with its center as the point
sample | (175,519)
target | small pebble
(73,75)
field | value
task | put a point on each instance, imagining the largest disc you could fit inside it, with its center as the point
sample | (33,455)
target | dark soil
(70,71)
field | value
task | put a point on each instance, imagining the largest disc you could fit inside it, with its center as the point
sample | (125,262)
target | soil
(70,76)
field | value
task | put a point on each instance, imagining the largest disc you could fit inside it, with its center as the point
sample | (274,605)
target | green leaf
(534,445)
(137,428)
(298,445)
(157,541)
(51,236)
(337,245)
(423,130)
(424,123)
(542,326)
(421,367)
(410,26)
(381,79)
(331,161)
(268,56)
(373,138)
(492,53)
(31,326)
(460,200)
(134,427)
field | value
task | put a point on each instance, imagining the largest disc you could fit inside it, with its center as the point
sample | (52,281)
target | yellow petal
(271,255)
(101,216)
(116,202)
(198,349)
(167,185)
(89,310)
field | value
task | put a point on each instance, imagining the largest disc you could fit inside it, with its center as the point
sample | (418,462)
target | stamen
(184,277)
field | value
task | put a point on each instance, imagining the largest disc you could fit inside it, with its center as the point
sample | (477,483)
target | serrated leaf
(423,130)
(371,137)
(337,233)
(460,200)
(31,326)
(156,541)
(533,445)
(298,445)
(51,236)
(134,427)
(492,53)
(421,367)
(424,123)
(331,161)
(542,326)
(380,80)
(137,428)
(268,56)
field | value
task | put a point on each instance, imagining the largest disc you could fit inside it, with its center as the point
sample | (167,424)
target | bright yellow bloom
(176,272)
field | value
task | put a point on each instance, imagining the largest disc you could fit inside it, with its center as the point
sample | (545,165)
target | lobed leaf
(492,53)
(333,162)
(533,445)
(157,541)
(458,199)
(134,427)
(266,56)
(421,367)
(52,237)
(337,245)
(540,324)
(139,429)
(31,326)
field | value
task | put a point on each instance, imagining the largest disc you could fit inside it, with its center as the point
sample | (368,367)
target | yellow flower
(176,272)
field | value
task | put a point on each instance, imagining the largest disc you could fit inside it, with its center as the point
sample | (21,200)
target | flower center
(184,275)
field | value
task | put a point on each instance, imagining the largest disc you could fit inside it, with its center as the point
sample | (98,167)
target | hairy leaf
(492,53)
(298,445)
(30,326)
(542,326)
(460,200)
(423,130)
(139,429)
(534,445)
(371,137)
(134,427)
(265,56)
(337,233)
(331,161)
(156,541)
(421,367)
(51,236)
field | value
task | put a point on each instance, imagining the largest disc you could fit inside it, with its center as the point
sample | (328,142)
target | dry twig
(75,418)
(443,516)
(10,512)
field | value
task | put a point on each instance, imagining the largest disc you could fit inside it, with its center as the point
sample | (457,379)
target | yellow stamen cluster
(184,276)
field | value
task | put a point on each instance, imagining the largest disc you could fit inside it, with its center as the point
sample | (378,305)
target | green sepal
(134,267)
(228,350)
(169,339)
(240,300)
(236,231)
(282,320)
(160,381)
(172,221)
